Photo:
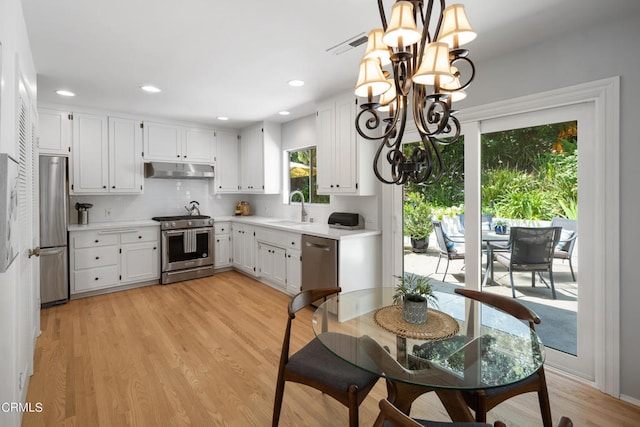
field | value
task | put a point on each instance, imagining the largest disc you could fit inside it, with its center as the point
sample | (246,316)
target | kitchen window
(302,175)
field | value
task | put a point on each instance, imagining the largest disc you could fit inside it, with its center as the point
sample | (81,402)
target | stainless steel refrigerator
(54,276)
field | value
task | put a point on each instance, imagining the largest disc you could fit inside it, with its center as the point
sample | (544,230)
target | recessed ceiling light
(284,113)
(65,93)
(150,89)
(296,83)
(223,118)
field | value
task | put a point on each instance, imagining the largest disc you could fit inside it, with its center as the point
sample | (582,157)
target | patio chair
(482,401)
(569,234)
(485,219)
(315,366)
(446,247)
(531,249)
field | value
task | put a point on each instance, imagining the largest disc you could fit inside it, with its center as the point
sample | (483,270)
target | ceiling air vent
(348,44)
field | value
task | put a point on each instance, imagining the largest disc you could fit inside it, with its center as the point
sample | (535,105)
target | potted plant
(414,292)
(500,226)
(417,221)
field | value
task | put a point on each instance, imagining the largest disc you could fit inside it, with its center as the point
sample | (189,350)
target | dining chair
(530,249)
(568,237)
(482,401)
(315,366)
(390,416)
(446,247)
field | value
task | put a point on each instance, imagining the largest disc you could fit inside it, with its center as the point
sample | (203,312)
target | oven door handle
(181,231)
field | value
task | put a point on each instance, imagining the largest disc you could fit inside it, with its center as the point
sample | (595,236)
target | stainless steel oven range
(187,247)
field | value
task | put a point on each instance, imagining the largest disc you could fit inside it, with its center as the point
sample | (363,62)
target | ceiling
(234,58)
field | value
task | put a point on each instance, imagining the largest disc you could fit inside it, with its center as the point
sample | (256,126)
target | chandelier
(428,71)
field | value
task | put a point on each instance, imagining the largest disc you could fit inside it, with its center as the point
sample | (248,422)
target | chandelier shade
(422,71)
(435,68)
(376,48)
(371,81)
(402,30)
(456,29)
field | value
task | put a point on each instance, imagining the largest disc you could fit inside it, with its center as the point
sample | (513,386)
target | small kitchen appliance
(83,212)
(346,221)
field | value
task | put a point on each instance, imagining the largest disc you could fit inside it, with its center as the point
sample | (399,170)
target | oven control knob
(173,224)
(166,224)
(189,223)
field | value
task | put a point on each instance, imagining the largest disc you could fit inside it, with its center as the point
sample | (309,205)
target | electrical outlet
(107,213)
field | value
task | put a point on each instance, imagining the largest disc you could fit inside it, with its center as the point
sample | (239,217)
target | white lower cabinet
(244,250)
(109,258)
(272,264)
(222,245)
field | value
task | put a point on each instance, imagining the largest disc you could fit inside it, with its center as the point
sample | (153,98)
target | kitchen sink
(289,223)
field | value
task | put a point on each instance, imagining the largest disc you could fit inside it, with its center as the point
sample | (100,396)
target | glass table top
(490,348)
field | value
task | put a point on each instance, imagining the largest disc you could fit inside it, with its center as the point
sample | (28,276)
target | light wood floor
(205,353)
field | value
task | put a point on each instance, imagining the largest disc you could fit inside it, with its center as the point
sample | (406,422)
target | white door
(198,145)
(581,363)
(139,262)
(162,142)
(28,265)
(345,154)
(226,169)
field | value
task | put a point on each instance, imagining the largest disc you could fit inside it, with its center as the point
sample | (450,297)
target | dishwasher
(319,262)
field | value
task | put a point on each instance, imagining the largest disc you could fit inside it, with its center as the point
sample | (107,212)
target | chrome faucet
(303,213)
(193,209)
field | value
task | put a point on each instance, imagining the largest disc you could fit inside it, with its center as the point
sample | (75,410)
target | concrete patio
(559,316)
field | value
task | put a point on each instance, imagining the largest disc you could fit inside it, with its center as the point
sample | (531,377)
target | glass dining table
(464,345)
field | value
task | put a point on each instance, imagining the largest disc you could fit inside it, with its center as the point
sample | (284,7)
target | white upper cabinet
(260,159)
(125,156)
(344,158)
(198,145)
(90,155)
(55,131)
(169,143)
(226,159)
(106,155)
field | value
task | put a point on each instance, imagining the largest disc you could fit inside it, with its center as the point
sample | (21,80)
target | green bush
(417,216)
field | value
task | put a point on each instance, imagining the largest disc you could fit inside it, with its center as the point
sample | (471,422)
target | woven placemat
(439,325)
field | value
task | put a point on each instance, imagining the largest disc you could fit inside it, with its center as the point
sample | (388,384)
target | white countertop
(311,228)
(113,225)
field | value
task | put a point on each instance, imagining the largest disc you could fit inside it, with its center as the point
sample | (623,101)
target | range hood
(177,170)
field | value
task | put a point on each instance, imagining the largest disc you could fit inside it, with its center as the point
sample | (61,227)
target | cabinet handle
(104,186)
(331,185)
(113,186)
(337,185)
(184,157)
(154,248)
(96,241)
(293,243)
(178,156)
(97,257)
(139,237)
(96,278)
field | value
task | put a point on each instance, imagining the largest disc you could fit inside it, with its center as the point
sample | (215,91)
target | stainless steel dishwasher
(319,262)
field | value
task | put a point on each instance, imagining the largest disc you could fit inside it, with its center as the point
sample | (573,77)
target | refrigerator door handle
(51,251)
(34,252)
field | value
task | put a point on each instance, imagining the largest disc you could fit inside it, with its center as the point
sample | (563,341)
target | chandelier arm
(443,6)
(467,83)
(383,16)
(371,123)
(453,138)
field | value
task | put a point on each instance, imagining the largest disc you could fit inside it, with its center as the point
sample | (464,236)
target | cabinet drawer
(91,239)
(282,239)
(141,235)
(96,278)
(222,227)
(95,257)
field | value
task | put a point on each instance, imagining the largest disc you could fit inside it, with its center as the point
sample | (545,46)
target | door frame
(604,97)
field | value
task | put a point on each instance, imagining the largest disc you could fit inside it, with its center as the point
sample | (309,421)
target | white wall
(297,134)
(587,55)
(15,54)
